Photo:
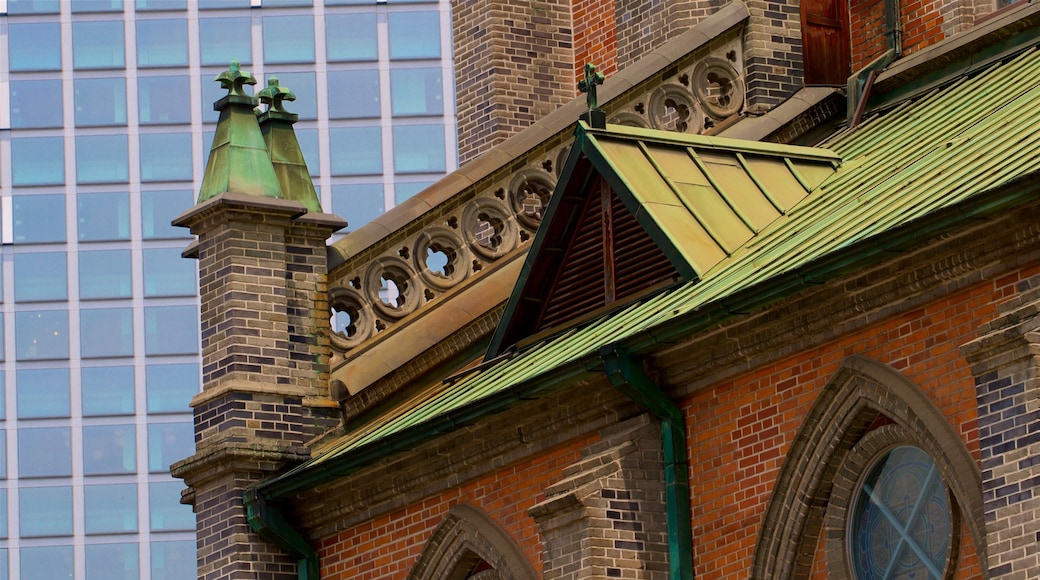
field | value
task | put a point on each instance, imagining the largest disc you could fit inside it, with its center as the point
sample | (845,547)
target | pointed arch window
(879,473)
(468,545)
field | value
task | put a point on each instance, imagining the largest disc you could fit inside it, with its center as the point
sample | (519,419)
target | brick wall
(595,36)
(741,429)
(265,357)
(513,65)
(388,546)
(773,52)
(922,23)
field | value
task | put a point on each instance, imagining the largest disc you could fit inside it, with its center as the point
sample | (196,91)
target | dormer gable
(638,209)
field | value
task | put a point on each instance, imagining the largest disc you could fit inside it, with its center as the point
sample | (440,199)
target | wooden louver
(610,258)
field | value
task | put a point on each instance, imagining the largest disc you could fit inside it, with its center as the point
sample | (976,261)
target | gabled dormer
(638,209)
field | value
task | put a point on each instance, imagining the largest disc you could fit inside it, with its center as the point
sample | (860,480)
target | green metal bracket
(626,374)
(268,520)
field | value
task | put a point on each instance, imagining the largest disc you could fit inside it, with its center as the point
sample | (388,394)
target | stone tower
(262,271)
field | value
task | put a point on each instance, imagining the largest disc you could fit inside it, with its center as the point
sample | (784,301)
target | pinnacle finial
(233,80)
(274,95)
(588,85)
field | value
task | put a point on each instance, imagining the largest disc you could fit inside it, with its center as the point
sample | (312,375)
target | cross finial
(274,95)
(588,85)
(233,79)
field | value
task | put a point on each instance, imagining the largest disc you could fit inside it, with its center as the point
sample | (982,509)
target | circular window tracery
(529,195)
(672,109)
(901,522)
(488,228)
(890,512)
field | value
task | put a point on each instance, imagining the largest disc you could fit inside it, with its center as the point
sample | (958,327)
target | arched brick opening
(860,394)
(468,545)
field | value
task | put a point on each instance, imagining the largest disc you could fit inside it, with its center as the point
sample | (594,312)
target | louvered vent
(580,281)
(638,262)
(605,243)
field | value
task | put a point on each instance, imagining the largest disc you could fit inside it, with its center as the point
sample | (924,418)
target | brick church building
(763,303)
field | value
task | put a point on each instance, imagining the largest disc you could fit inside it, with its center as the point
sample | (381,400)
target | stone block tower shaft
(265,325)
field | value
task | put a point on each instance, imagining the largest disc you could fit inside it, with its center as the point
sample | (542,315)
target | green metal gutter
(627,375)
(268,520)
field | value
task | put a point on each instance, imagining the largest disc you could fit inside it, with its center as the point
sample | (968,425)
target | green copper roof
(283,148)
(238,159)
(697,198)
(921,168)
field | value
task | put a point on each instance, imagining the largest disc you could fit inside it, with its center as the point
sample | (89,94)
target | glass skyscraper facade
(106,120)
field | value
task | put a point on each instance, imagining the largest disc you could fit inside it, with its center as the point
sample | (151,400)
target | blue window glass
(3,525)
(41,335)
(3,415)
(169,442)
(173,560)
(36,104)
(106,332)
(415,34)
(97,6)
(171,387)
(43,393)
(104,274)
(107,390)
(109,449)
(166,511)
(112,561)
(353,94)
(166,157)
(351,37)
(419,149)
(147,5)
(45,511)
(171,330)
(271,3)
(356,150)
(40,276)
(34,46)
(216,4)
(158,208)
(163,100)
(100,102)
(303,86)
(288,39)
(38,218)
(110,508)
(901,523)
(103,216)
(46,562)
(102,159)
(3,457)
(222,40)
(358,203)
(416,91)
(162,43)
(97,44)
(405,190)
(308,139)
(33,6)
(44,452)
(38,161)
(166,273)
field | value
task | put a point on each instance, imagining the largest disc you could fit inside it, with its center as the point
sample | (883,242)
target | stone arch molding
(465,537)
(859,392)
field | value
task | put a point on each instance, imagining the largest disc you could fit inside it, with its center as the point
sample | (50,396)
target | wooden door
(825,42)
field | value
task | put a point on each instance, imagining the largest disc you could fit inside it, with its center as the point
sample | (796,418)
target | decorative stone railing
(484,215)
